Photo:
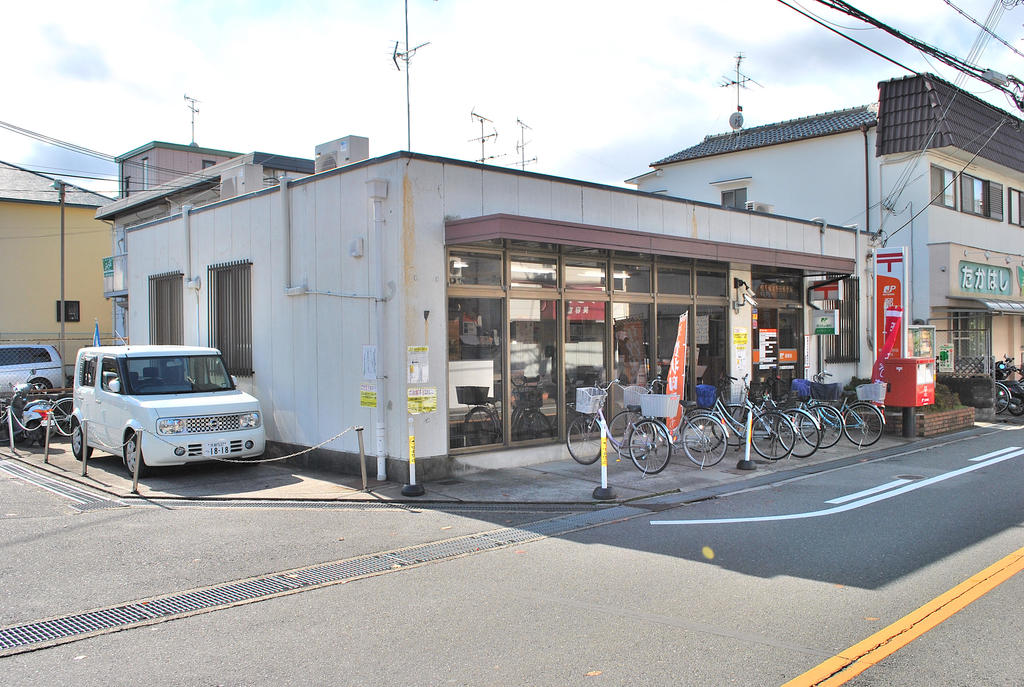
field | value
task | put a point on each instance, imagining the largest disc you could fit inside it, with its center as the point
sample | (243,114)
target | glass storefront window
(585,275)
(533,346)
(475,357)
(632,342)
(534,273)
(668,328)
(632,278)
(586,327)
(466,269)
(710,283)
(709,338)
(674,281)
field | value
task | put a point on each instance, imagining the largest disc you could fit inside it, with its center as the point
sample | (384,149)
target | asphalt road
(754,588)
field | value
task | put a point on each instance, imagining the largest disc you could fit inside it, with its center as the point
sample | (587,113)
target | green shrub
(945,399)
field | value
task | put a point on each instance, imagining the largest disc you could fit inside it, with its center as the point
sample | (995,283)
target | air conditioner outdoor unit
(239,180)
(340,152)
(760,207)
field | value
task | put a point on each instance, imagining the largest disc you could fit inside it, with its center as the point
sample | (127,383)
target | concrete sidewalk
(563,481)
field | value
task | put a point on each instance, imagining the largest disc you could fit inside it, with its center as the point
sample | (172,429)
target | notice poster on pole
(419,370)
(741,350)
(368,395)
(422,400)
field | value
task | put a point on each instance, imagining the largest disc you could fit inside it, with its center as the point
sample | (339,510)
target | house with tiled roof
(930,168)
(31,240)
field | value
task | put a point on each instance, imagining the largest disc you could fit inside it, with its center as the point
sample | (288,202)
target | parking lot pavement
(563,481)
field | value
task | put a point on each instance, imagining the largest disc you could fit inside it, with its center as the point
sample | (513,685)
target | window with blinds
(842,347)
(165,310)
(230,294)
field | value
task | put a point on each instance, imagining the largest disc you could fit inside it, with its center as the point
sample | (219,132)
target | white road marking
(852,505)
(869,492)
(995,453)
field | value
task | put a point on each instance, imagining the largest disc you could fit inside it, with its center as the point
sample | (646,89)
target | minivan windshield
(180,374)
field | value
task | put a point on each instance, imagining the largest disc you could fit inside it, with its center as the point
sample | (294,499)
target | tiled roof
(825,124)
(923,110)
(21,184)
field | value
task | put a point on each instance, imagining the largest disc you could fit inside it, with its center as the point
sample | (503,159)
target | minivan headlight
(173,425)
(249,420)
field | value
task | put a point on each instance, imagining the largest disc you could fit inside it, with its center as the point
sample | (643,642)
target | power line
(982,27)
(1003,83)
(852,40)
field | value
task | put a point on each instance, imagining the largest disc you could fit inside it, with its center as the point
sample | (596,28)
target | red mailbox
(911,382)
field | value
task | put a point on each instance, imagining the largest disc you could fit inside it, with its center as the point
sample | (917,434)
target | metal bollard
(85,445)
(46,447)
(746,463)
(10,425)
(362,456)
(412,489)
(138,462)
(603,492)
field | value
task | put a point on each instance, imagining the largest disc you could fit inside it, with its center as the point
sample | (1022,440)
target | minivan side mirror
(115,386)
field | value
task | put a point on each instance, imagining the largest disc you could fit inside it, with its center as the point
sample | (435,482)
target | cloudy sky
(605,87)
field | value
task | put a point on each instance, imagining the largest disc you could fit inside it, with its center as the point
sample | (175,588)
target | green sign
(984,279)
(108,266)
(825,321)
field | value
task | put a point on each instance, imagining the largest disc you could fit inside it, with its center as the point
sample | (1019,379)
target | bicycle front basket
(472,395)
(631,395)
(659,405)
(706,395)
(871,392)
(589,399)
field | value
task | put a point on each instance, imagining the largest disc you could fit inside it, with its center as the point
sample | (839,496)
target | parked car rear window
(178,375)
(23,355)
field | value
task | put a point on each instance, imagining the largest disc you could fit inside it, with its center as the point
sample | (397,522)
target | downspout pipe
(856,234)
(192,282)
(377,191)
(286,231)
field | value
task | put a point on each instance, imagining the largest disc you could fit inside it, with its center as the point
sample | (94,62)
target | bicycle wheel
(704,440)
(772,435)
(808,432)
(1002,398)
(862,424)
(584,439)
(650,446)
(831,422)
(738,413)
(480,427)
(531,424)
(61,415)
(619,428)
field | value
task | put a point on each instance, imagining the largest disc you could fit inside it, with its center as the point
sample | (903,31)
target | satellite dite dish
(736,120)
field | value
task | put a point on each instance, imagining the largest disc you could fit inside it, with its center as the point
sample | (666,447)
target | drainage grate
(43,633)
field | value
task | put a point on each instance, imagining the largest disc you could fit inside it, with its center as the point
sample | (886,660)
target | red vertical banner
(893,329)
(676,381)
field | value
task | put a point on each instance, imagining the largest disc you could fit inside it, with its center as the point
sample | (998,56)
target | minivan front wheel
(133,452)
(78,448)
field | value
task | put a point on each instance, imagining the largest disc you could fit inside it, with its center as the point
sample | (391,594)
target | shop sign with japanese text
(973,277)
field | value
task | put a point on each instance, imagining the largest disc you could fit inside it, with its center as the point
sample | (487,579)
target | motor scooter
(1005,369)
(28,416)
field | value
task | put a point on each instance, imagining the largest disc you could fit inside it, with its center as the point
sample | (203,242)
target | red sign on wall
(890,292)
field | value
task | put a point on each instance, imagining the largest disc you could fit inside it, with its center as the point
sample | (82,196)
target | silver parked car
(31,363)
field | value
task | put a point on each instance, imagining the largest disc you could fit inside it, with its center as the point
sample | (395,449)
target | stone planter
(931,423)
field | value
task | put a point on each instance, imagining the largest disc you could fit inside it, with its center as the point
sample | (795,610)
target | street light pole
(59,185)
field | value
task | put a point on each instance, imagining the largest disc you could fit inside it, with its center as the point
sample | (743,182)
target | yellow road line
(855,660)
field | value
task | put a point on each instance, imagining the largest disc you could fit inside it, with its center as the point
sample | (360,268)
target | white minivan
(162,405)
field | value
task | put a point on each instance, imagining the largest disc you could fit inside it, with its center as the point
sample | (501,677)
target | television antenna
(406,57)
(521,146)
(483,137)
(192,105)
(740,81)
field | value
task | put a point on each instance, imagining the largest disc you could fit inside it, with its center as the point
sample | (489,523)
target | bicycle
(863,422)
(808,427)
(482,423)
(772,433)
(645,439)
(830,420)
